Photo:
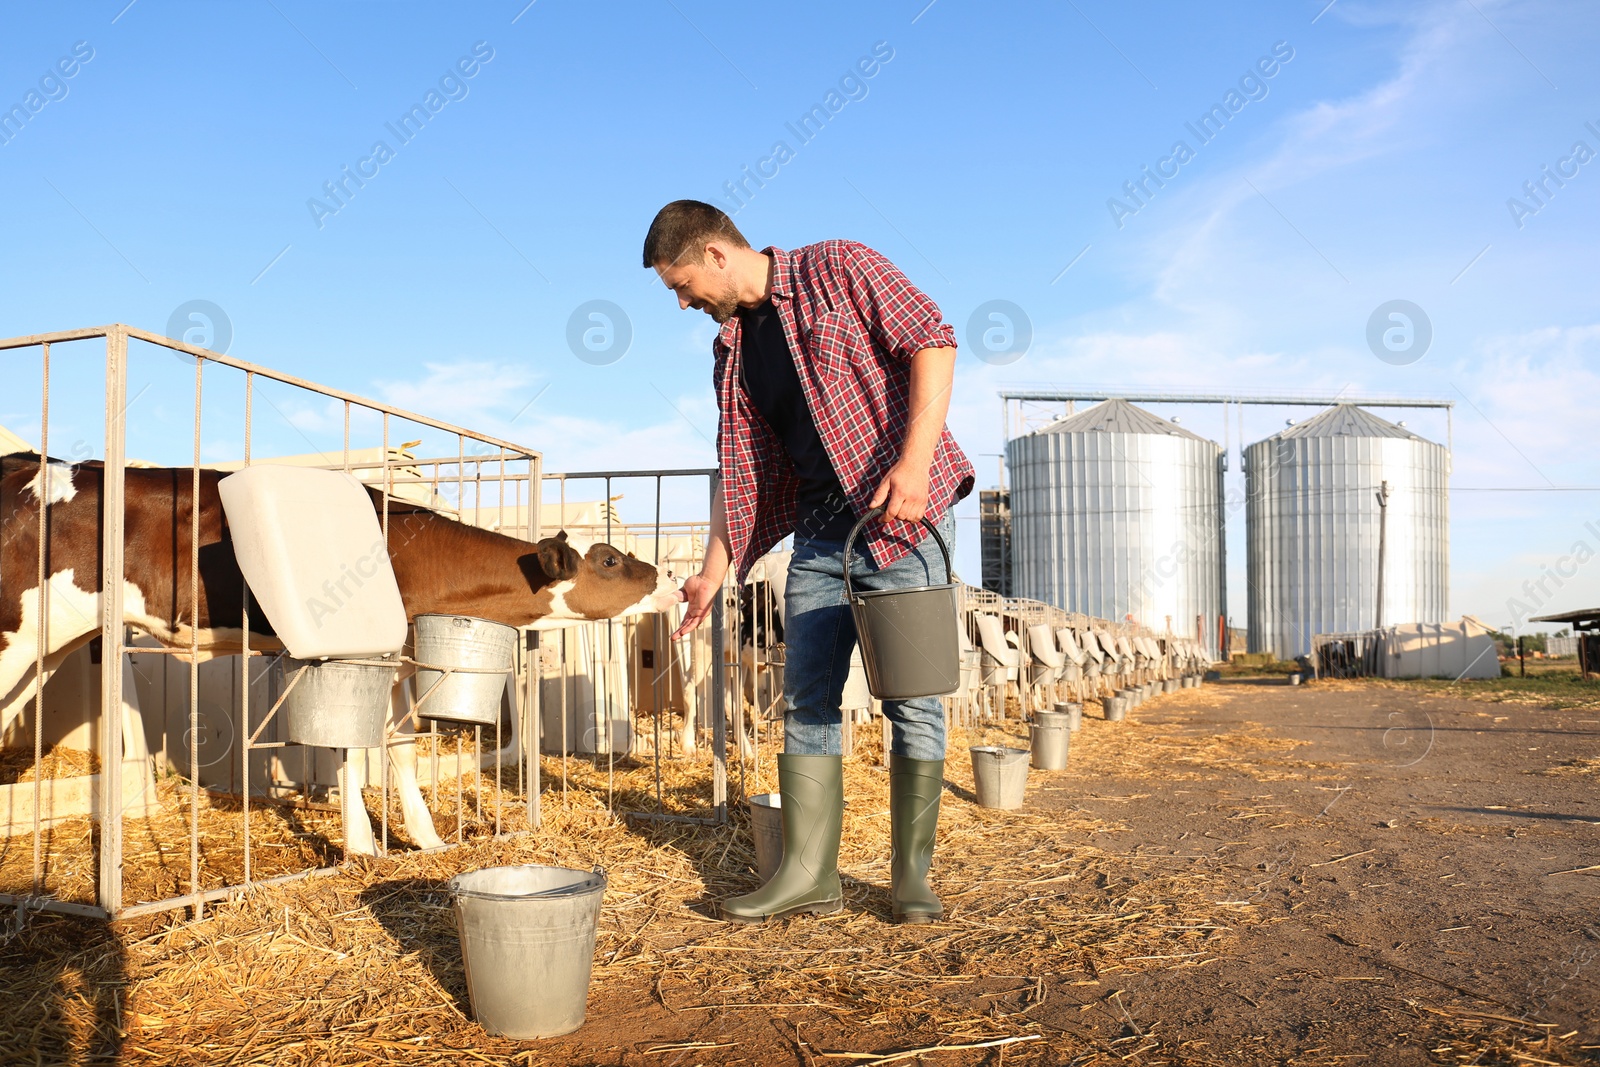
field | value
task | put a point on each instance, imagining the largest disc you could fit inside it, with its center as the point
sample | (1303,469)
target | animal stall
(237,834)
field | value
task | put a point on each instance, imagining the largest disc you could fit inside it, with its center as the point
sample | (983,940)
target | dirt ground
(1250,873)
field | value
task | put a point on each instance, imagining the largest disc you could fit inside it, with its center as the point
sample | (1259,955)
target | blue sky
(178,162)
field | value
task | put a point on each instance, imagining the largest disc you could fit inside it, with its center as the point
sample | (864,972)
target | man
(833,379)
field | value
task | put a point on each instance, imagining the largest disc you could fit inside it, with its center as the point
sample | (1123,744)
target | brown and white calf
(441,566)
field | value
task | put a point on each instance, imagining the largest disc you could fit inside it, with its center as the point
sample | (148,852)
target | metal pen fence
(394,474)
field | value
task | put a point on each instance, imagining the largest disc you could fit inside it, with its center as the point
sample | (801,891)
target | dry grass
(1587,765)
(16,764)
(364,965)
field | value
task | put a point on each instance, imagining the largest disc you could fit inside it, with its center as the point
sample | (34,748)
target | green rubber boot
(812,788)
(915,787)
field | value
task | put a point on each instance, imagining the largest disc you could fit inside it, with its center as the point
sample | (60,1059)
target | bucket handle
(849,543)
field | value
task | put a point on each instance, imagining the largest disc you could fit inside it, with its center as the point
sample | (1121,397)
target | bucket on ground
(527,940)
(1169,685)
(766,827)
(909,640)
(463,641)
(1053,719)
(1074,712)
(1116,708)
(1051,747)
(1000,775)
(336,704)
(1294,679)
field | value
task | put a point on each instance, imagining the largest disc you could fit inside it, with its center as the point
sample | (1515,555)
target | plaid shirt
(853,322)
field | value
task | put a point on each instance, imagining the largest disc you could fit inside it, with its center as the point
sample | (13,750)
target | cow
(441,566)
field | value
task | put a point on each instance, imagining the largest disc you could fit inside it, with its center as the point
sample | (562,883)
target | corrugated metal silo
(1312,521)
(1116,512)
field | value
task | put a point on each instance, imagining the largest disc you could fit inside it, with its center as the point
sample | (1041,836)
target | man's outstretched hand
(903,494)
(699,592)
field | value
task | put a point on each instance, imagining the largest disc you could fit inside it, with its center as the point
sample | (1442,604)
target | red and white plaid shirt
(853,322)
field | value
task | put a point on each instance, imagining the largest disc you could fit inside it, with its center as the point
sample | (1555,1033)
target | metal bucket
(1131,697)
(1191,681)
(1294,679)
(461,641)
(766,827)
(1116,708)
(908,637)
(527,940)
(1169,685)
(336,704)
(1051,746)
(1052,720)
(999,775)
(1074,712)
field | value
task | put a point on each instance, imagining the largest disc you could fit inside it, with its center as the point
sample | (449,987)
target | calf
(760,632)
(441,566)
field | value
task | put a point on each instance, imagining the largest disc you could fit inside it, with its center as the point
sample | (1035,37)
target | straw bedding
(363,966)
(16,764)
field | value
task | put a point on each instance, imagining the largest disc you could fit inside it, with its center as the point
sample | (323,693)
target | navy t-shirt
(773,384)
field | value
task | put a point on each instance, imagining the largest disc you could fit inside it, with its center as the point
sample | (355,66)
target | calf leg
(692,659)
(358,840)
(419,820)
(403,760)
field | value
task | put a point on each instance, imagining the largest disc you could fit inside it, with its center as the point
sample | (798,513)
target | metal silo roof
(1347,420)
(1118,416)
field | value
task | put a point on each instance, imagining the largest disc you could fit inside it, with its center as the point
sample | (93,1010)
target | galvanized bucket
(462,641)
(999,775)
(1116,708)
(1170,685)
(766,827)
(908,637)
(1053,719)
(527,940)
(335,704)
(1051,747)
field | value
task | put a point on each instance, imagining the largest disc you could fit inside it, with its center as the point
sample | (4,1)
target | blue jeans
(820,634)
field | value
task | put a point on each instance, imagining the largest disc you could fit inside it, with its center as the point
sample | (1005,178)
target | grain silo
(1313,525)
(1115,512)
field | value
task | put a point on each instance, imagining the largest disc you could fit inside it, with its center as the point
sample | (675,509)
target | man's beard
(725,306)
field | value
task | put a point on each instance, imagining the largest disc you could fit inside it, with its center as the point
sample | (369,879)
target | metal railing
(112,627)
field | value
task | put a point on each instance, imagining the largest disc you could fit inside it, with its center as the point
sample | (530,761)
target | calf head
(602,583)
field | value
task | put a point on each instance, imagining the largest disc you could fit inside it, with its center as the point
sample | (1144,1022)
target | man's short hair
(682,228)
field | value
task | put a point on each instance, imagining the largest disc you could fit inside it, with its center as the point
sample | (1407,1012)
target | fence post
(112,488)
(719,697)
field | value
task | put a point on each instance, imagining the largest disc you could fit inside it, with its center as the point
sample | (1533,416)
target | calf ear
(557,558)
